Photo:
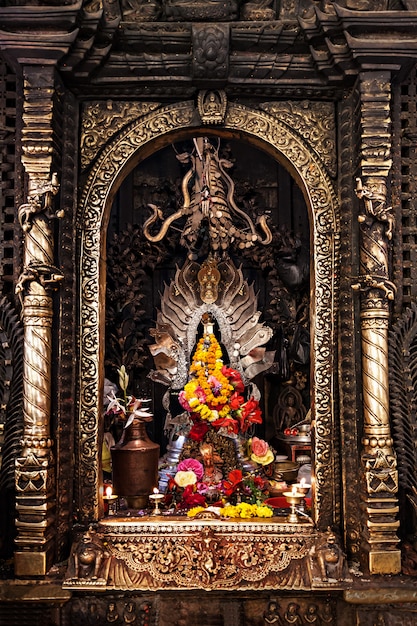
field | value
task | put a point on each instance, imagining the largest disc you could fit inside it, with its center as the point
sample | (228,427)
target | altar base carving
(172,553)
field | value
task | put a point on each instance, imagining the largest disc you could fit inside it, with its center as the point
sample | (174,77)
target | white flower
(115,405)
(185,478)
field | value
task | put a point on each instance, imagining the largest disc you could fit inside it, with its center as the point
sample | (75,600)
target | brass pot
(286,470)
(135,461)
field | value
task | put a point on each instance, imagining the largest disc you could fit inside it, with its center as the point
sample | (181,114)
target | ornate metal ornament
(185,301)
(210,202)
(176,553)
(102,120)
(34,478)
(315,122)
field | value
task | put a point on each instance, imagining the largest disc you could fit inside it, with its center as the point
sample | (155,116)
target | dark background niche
(137,270)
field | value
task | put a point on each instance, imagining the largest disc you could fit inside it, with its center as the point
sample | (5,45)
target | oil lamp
(302,488)
(156,499)
(294,499)
(110,501)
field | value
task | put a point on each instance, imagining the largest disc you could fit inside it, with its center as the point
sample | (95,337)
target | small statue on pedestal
(89,562)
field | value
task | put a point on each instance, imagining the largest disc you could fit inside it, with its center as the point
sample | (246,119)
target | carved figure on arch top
(212,106)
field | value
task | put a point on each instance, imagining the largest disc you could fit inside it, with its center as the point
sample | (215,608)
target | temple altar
(173,553)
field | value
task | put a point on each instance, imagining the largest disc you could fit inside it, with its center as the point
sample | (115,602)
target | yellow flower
(263,460)
(194,511)
(264,511)
(246,511)
(185,478)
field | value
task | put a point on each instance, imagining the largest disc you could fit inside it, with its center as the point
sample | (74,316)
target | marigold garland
(212,394)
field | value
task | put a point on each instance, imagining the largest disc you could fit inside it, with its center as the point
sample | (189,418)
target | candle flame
(302,482)
(294,489)
(156,490)
(109,491)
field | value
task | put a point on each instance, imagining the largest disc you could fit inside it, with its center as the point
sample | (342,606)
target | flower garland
(213,394)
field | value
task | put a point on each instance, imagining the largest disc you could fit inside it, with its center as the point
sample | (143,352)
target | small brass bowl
(286,470)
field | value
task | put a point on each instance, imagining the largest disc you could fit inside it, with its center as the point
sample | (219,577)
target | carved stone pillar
(35,485)
(376,225)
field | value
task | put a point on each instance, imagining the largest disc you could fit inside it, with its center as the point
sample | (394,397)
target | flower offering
(214,398)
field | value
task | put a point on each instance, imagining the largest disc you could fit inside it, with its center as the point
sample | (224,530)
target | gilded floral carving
(315,122)
(102,120)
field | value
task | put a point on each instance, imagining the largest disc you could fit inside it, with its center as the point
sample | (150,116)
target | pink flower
(191,465)
(259,447)
(215,384)
(183,401)
(201,396)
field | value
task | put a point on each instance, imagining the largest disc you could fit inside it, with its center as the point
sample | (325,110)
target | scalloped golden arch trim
(257,126)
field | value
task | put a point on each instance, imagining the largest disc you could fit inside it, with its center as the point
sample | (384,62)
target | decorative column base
(35,508)
(380,553)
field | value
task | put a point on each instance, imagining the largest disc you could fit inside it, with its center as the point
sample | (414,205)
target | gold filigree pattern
(209,555)
(315,122)
(102,120)
(95,202)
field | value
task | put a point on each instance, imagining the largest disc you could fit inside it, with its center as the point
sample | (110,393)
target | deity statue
(212,474)
(129,614)
(329,558)
(289,409)
(311,616)
(89,560)
(112,616)
(271,615)
(292,615)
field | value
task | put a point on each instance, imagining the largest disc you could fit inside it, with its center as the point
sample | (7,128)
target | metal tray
(295,438)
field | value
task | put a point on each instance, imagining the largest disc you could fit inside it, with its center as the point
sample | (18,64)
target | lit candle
(293,498)
(156,498)
(110,501)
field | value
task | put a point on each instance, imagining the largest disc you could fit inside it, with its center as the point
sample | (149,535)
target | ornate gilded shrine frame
(119,156)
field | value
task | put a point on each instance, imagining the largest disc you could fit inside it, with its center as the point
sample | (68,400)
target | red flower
(259,482)
(227,422)
(191,499)
(233,481)
(234,378)
(250,413)
(198,431)
(236,401)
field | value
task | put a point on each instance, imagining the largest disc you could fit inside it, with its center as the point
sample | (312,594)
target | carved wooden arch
(120,155)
